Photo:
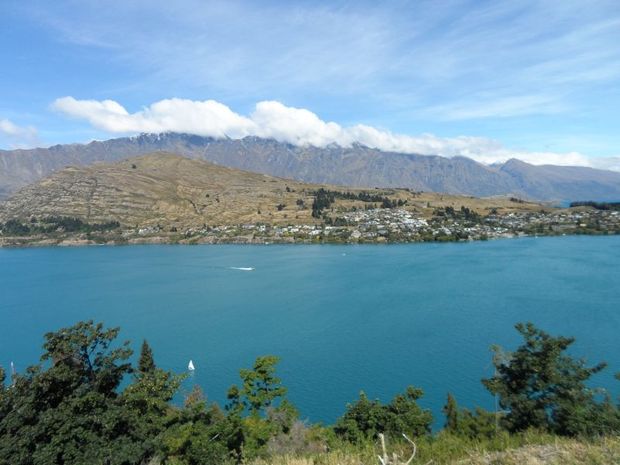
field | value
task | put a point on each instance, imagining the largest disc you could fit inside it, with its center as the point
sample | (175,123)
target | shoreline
(374,226)
(76,242)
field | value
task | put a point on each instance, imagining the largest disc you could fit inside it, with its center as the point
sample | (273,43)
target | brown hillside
(166,189)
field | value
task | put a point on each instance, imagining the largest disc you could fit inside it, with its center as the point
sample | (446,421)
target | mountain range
(357,166)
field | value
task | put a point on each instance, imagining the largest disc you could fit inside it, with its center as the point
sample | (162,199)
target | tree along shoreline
(70,409)
(84,240)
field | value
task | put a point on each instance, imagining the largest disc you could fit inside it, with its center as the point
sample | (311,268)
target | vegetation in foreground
(72,409)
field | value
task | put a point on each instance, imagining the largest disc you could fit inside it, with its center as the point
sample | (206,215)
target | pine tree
(540,386)
(451,412)
(146,363)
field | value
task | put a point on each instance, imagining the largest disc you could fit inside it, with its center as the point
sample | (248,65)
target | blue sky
(539,80)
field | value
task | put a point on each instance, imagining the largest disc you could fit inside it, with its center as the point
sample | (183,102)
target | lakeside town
(375,225)
(395,225)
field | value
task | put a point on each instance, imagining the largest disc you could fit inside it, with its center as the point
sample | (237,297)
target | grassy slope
(526,449)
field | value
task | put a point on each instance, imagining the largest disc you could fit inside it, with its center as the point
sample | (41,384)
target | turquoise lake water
(343,318)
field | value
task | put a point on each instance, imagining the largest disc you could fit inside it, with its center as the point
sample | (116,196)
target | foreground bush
(366,418)
(70,409)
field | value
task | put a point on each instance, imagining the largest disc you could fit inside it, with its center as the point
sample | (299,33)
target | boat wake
(242,268)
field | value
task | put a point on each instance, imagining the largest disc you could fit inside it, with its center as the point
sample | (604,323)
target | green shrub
(366,418)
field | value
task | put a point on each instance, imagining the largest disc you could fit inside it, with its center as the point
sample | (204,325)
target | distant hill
(174,191)
(353,166)
(159,188)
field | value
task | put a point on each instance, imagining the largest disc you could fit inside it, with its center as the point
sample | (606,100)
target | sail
(190,366)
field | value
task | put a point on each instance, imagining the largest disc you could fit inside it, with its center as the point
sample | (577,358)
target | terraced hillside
(172,191)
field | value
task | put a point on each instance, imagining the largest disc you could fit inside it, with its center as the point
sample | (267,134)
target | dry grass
(564,452)
(559,452)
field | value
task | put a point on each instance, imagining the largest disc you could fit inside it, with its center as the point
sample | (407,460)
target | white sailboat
(190,366)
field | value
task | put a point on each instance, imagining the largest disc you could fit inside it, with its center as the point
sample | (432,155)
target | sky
(492,80)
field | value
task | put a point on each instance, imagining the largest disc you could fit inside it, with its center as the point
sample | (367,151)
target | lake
(342,318)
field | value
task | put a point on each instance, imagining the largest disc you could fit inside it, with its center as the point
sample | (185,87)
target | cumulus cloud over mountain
(298,126)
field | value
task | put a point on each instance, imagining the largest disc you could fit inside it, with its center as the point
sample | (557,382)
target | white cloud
(208,118)
(272,119)
(607,163)
(9,128)
(18,136)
